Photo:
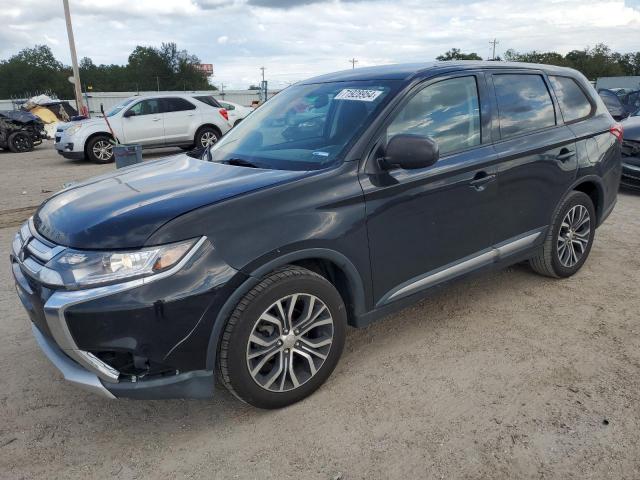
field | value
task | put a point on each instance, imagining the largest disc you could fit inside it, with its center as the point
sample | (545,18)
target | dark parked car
(20,131)
(253,261)
(622,105)
(631,152)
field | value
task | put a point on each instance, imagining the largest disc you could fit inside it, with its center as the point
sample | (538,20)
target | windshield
(119,107)
(304,127)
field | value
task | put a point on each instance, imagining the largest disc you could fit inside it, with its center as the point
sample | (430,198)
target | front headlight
(73,129)
(80,269)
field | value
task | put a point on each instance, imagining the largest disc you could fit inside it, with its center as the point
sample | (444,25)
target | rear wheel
(100,149)
(569,239)
(19,142)
(206,136)
(284,339)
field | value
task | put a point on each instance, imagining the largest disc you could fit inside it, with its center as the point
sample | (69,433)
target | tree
(32,71)
(595,62)
(456,54)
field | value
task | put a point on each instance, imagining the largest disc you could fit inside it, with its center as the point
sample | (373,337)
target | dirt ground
(508,375)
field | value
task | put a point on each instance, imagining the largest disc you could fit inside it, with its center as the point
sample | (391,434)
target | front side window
(305,127)
(176,104)
(447,112)
(524,103)
(146,107)
(573,101)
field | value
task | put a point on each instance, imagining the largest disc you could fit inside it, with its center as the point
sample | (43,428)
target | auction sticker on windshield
(358,94)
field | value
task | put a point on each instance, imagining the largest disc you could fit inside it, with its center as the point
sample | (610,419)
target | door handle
(481,179)
(565,154)
(155,119)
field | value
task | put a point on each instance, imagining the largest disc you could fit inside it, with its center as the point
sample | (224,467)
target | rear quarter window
(209,100)
(572,99)
(524,103)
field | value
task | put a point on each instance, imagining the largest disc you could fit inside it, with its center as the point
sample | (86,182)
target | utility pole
(494,42)
(222,90)
(263,87)
(353,62)
(74,60)
(158,82)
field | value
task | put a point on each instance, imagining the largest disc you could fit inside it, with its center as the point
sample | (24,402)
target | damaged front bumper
(139,339)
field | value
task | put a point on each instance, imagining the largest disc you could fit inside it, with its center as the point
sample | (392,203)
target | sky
(297,39)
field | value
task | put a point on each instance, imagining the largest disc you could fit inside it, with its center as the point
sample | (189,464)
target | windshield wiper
(240,163)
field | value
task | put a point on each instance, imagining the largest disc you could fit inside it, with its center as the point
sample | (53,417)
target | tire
(567,233)
(274,386)
(99,149)
(237,122)
(206,136)
(20,142)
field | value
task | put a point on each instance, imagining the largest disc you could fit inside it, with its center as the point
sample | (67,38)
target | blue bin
(126,155)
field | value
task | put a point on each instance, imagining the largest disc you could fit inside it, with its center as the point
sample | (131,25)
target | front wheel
(284,339)
(20,142)
(569,239)
(100,149)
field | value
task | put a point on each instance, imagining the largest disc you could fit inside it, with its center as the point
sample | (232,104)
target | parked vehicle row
(344,198)
(153,121)
(631,152)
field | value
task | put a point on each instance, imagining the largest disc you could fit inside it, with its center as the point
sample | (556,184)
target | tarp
(46,115)
(18,116)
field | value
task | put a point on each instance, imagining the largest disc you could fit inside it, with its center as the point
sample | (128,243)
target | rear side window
(573,101)
(177,104)
(524,103)
(209,100)
(447,112)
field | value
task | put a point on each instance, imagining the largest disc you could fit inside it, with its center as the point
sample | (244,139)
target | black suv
(342,199)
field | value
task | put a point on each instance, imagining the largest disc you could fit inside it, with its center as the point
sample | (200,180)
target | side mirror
(410,152)
(129,113)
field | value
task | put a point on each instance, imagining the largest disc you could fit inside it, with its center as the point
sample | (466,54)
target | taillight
(224,113)
(617,131)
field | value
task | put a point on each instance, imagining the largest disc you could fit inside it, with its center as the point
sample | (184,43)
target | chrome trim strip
(61,300)
(460,267)
(43,252)
(515,245)
(71,371)
(631,167)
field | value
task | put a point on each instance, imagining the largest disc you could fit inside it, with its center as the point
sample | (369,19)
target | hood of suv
(122,209)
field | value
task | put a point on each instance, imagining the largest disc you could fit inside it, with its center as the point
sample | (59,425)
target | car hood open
(122,209)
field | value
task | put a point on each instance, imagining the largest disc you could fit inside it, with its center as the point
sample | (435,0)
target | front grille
(33,252)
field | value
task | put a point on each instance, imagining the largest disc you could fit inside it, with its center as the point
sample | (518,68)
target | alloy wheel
(208,138)
(22,143)
(573,236)
(103,150)
(289,342)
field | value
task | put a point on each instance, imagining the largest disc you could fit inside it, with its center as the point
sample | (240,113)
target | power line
(353,62)
(494,42)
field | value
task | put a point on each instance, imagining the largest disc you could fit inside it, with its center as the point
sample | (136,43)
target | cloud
(297,39)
